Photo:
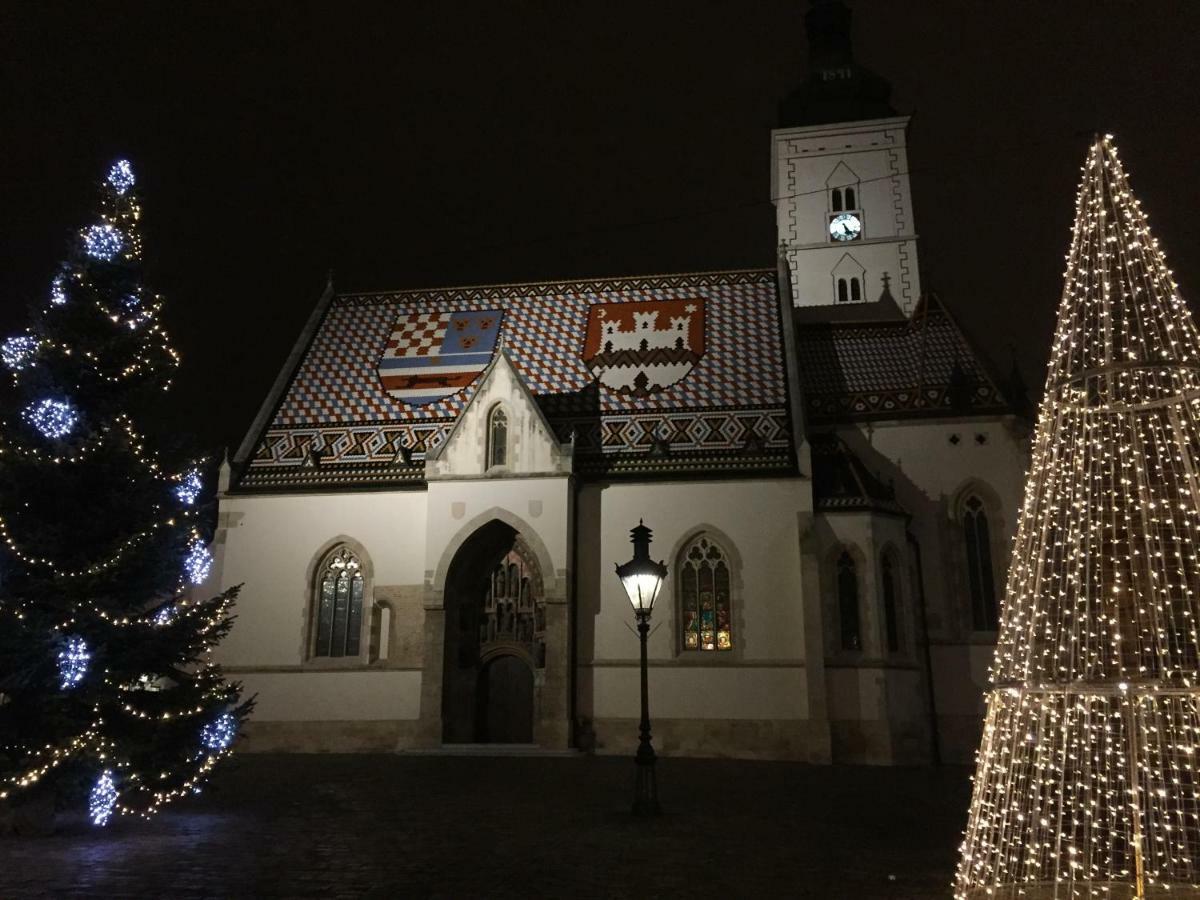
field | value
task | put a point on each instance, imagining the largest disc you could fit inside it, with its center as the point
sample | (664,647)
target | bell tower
(839,178)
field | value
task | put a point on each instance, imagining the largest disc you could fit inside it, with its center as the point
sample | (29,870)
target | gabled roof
(921,366)
(350,414)
(842,483)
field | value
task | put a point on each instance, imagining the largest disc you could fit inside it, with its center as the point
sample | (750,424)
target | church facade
(427,511)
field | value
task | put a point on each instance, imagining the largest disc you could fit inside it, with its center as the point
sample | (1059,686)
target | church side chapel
(428,508)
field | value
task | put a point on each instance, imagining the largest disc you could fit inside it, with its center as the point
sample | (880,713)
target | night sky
(415,145)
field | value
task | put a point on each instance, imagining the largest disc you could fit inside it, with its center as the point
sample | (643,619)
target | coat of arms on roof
(433,355)
(639,348)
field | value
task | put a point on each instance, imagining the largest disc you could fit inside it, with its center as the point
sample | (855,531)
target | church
(427,510)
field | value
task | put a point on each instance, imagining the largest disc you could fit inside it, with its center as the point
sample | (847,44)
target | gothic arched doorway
(494,639)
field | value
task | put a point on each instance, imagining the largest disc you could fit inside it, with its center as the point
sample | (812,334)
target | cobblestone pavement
(467,827)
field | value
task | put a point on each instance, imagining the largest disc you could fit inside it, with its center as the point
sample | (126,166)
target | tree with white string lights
(1086,781)
(108,701)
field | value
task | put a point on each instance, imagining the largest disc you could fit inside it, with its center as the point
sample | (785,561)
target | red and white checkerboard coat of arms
(433,355)
(639,348)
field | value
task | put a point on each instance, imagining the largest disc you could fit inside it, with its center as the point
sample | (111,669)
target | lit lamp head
(642,577)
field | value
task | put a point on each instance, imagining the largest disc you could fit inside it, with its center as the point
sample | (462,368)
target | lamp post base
(645,794)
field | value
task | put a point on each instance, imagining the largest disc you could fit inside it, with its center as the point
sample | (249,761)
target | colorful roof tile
(895,368)
(666,374)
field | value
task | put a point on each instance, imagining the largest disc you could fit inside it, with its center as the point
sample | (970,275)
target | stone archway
(494,639)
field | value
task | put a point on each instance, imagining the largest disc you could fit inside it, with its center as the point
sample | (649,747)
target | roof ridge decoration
(384,378)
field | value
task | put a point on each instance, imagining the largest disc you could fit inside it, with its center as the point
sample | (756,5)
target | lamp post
(642,578)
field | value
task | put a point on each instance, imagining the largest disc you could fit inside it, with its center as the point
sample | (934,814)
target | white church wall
(539,508)
(933,464)
(751,700)
(272,546)
(877,709)
(346,695)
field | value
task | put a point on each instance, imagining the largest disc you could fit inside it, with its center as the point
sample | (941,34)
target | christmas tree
(108,700)
(1086,781)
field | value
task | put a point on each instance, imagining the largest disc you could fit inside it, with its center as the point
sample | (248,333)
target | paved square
(508,827)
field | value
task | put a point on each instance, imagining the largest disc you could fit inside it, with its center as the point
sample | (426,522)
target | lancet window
(977,535)
(847,597)
(706,610)
(497,438)
(339,606)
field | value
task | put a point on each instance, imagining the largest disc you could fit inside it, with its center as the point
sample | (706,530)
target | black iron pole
(645,800)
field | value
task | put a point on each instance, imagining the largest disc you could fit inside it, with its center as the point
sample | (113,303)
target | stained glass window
(498,437)
(979,565)
(706,612)
(847,592)
(339,605)
(891,615)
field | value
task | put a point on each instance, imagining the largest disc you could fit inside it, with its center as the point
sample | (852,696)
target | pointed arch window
(497,437)
(339,607)
(891,612)
(706,609)
(847,595)
(977,534)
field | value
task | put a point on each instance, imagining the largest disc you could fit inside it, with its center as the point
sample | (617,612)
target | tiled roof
(338,423)
(894,368)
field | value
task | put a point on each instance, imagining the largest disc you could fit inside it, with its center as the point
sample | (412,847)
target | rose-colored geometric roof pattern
(335,424)
(919,366)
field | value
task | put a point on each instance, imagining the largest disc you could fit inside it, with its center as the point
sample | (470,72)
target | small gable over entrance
(501,432)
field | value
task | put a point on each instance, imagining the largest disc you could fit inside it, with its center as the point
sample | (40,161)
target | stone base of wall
(327,737)
(792,739)
(879,743)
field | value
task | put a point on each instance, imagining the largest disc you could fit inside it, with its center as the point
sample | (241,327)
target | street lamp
(642,578)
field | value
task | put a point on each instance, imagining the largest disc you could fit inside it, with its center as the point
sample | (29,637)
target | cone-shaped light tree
(1086,782)
(108,699)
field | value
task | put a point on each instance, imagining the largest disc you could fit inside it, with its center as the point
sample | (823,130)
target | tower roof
(837,88)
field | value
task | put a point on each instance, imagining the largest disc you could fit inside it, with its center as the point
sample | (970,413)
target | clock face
(845,227)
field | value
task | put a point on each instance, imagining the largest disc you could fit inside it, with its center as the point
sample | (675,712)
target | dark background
(420,144)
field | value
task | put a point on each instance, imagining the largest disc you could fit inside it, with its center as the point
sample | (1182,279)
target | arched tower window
(977,534)
(339,606)
(497,438)
(835,199)
(891,611)
(850,198)
(847,594)
(706,611)
(843,293)
(855,290)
